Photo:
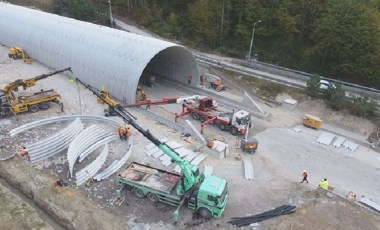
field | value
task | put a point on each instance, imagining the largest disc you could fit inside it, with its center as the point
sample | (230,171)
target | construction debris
(243,221)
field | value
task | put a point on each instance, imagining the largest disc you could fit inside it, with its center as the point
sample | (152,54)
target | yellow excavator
(18,53)
(12,104)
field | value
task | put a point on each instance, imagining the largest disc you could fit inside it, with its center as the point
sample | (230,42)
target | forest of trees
(333,38)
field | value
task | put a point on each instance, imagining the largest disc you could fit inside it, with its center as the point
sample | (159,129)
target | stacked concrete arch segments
(50,120)
(98,55)
(83,141)
(116,165)
(96,145)
(54,144)
(90,170)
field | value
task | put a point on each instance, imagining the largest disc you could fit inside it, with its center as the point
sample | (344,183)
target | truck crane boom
(190,175)
(13,86)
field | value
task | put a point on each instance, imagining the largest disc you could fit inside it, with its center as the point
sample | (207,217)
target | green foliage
(312,85)
(335,38)
(363,106)
(87,10)
(335,97)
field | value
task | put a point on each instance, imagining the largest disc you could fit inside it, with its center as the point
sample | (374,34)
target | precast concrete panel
(98,55)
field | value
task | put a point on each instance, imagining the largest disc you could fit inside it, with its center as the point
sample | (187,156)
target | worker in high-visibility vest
(324,184)
(121,132)
(128,133)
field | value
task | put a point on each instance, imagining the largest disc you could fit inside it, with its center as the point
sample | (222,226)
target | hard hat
(304,170)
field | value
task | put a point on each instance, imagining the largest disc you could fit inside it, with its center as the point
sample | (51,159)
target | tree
(363,106)
(312,85)
(335,97)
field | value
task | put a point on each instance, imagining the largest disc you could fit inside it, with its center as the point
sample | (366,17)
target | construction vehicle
(214,82)
(312,121)
(12,104)
(205,111)
(18,53)
(249,144)
(140,94)
(205,194)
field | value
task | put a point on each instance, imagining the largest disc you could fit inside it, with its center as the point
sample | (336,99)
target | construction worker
(304,174)
(121,132)
(128,133)
(210,143)
(217,82)
(23,153)
(324,184)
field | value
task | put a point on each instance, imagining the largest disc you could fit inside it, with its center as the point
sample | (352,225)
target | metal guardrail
(285,72)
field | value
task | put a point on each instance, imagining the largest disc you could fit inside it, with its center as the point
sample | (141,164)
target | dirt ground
(278,163)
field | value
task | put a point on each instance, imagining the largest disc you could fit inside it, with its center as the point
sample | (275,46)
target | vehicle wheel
(106,113)
(10,55)
(33,108)
(205,213)
(14,57)
(208,85)
(138,193)
(202,119)
(234,131)
(44,105)
(222,127)
(152,197)
(195,116)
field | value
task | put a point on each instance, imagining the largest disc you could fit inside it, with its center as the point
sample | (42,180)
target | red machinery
(206,111)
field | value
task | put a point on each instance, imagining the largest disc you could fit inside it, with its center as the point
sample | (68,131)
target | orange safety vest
(121,131)
(128,132)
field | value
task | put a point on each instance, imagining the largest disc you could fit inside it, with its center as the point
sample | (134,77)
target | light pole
(253,35)
(111,19)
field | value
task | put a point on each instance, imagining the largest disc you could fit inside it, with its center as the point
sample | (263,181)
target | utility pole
(253,36)
(111,18)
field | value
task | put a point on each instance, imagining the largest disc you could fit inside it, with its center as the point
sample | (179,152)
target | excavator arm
(13,86)
(190,176)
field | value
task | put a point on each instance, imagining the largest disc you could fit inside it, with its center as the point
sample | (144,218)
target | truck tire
(202,119)
(33,108)
(152,197)
(138,193)
(234,131)
(106,113)
(205,213)
(44,105)
(195,116)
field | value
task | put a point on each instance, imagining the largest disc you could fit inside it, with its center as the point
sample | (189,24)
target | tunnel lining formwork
(98,55)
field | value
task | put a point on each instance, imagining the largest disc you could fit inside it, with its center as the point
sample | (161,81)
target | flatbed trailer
(157,184)
(33,103)
(160,186)
(204,111)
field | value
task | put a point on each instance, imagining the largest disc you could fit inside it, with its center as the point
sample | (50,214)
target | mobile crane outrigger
(205,194)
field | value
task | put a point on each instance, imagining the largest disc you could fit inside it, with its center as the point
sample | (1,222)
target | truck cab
(211,197)
(241,120)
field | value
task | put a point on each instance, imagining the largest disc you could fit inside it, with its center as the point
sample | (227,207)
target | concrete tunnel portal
(100,56)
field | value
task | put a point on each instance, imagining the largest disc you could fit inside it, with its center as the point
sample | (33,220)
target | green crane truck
(205,194)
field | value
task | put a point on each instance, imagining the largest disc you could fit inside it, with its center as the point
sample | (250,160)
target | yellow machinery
(12,104)
(18,53)
(109,101)
(312,121)
(140,95)
(214,82)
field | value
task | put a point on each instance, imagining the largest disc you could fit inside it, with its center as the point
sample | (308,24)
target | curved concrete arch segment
(98,55)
